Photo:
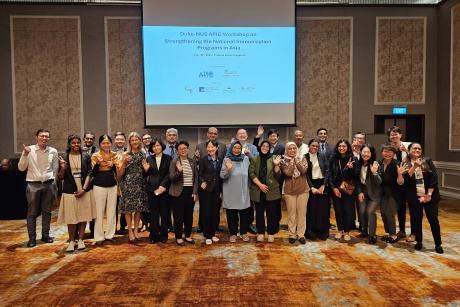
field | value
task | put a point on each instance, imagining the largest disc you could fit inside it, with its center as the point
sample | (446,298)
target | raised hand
(418,162)
(260,131)
(197,154)
(25,150)
(126,158)
(62,162)
(337,193)
(228,164)
(99,159)
(350,163)
(178,166)
(402,147)
(145,165)
(401,168)
(277,160)
(374,167)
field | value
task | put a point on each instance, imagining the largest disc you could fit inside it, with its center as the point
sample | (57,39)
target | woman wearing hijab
(423,194)
(265,172)
(295,192)
(236,201)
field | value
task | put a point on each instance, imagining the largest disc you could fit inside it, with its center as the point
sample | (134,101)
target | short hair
(119,133)
(172,130)
(131,135)
(272,131)
(359,132)
(389,147)
(394,129)
(104,137)
(69,140)
(154,141)
(319,129)
(214,143)
(42,130)
(182,142)
(88,132)
(313,140)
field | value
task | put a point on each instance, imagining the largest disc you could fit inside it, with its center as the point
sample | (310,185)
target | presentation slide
(220,63)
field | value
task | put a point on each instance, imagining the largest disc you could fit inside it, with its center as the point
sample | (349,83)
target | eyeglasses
(146,139)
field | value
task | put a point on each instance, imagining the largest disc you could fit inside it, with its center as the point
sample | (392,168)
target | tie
(173,151)
(322,147)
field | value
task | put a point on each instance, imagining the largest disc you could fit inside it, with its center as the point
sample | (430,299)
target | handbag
(346,186)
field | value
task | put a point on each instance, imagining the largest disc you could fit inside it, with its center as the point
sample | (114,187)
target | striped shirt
(187,173)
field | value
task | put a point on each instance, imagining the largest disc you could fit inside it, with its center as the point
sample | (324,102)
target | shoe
(372,240)
(220,229)
(199,230)
(439,249)
(393,240)
(113,240)
(232,239)
(323,237)
(410,238)
(418,246)
(385,238)
(401,234)
(252,230)
(332,227)
(260,238)
(208,241)
(189,240)
(71,247)
(271,238)
(47,239)
(363,235)
(99,243)
(164,240)
(347,237)
(302,241)
(81,245)
(245,238)
(31,243)
(215,239)
(338,235)
(181,243)
(137,239)
(154,240)
(292,240)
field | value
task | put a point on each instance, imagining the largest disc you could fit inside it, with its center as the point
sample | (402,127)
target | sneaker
(260,238)
(347,237)
(71,247)
(338,235)
(81,245)
(271,238)
(215,239)
(208,241)
(245,238)
(232,239)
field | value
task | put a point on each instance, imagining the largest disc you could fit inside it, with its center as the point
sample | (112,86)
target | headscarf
(296,171)
(262,155)
(230,154)
(263,162)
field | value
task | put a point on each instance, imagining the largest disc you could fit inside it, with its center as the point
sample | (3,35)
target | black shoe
(154,241)
(385,238)
(180,243)
(99,243)
(191,241)
(164,240)
(292,240)
(332,227)
(372,240)
(363,235)
(220,229)
(418,246)
(439,249)
(171,229)
(47,239)
(90,236)
(252,230)
(302,240)
(121,232)
(199,230)
(113,240)
(31,243)
(323,237)
(391,240)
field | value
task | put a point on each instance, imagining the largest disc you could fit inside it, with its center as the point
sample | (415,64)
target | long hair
(336,148)
(131,135)
(373,155)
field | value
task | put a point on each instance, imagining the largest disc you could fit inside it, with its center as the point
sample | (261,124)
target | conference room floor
(256,274)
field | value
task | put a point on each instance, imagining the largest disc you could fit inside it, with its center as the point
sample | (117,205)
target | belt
(42,182)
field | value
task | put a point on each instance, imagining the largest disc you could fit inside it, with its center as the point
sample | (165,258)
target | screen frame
(146,126)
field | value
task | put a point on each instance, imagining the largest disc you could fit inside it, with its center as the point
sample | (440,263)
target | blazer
(176,178)
(207,173)
(221,150)
(329,150)
(323,165)
(335,174)
(68,184)
(430,180)
(158,175)
(373,187)
(389,179)
(272,180)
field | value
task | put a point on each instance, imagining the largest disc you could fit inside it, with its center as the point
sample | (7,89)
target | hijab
(296,171)
(230,154)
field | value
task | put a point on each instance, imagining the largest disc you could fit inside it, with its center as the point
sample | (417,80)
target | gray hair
(172,130)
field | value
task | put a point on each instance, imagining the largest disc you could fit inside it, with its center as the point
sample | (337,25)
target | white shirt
(41,165)
(315,168)
(303,149)
(363,175)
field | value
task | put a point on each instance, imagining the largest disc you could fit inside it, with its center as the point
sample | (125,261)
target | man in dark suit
(201,151)
(88,143)
(324,146)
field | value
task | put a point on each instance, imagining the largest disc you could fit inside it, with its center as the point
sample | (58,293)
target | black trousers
(344,209)
(431,211)
(209,208)
(159,209)
(401,200)
(318,213)
(40,199)
(235,217)
(122,217)
(183,213)
(270,210)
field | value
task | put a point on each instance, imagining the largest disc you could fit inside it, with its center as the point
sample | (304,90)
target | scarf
(230,154)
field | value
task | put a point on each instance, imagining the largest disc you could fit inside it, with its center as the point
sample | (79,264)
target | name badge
(77,175)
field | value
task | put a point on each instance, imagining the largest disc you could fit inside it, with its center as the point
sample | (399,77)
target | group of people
(147,179)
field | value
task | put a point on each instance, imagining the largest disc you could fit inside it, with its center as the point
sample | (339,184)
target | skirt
(74,210)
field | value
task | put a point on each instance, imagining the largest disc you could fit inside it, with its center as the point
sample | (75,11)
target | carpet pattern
(225,274)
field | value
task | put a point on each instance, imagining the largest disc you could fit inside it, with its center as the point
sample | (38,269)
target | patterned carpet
(224,274)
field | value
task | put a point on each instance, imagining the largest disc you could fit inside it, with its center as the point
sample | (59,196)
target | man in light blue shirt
(171,140)
(248,149)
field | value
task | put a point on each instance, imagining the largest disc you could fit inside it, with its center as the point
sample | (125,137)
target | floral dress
(133,194)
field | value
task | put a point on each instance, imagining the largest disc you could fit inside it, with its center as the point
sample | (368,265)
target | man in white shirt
(301,146)
(42,164)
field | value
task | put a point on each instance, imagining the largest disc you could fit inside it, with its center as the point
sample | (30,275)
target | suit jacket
(209,174)
(390,187)
(329,150)
(221,150)
(158,175)
(323,165)
(176,178)
(430,180)
(68,184)
(272,180)
(373,187)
